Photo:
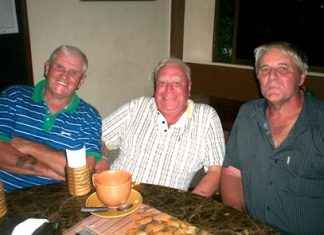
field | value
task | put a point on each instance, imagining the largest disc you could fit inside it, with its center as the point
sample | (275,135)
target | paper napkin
(28,226)
(76,158)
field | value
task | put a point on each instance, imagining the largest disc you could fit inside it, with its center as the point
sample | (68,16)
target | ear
(81,81)
(302,78)
(189,87)
(46,68)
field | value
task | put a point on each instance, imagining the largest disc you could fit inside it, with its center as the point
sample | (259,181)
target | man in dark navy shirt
(274,163)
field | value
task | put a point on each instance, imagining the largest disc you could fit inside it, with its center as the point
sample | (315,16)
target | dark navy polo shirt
(283,186)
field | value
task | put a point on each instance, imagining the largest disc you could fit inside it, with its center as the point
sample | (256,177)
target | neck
(54,103)
(292,106)
(282,118)
(172,118)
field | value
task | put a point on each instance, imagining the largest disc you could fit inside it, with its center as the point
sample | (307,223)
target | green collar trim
(94,154)
(5,138)
(38,96)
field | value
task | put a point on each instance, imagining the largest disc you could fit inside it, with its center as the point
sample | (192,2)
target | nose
(273,73)
(65,74)
(169,87)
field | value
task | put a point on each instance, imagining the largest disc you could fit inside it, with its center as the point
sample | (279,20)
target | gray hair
(167,61)
(67,49)
(297,54)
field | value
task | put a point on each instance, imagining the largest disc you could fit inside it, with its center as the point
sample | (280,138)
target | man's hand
(102,165)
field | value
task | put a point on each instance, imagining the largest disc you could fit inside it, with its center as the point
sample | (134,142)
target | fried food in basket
(152,222)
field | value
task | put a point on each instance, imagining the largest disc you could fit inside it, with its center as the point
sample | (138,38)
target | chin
(168,110)
(275,99)
(273,96)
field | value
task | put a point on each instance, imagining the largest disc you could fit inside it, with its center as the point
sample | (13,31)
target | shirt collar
(38,96)
(184,117)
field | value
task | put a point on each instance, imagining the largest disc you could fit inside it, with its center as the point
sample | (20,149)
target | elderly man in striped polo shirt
(38,124)
(165,140)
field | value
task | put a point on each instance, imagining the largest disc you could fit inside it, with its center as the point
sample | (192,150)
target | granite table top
(54,203)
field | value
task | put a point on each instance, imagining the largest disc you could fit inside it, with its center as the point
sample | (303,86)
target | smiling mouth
(168,98)
(62,83)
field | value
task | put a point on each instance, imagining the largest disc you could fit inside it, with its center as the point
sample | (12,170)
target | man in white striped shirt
(165,140)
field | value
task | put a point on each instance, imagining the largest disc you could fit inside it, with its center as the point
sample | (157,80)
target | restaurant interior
(180,28)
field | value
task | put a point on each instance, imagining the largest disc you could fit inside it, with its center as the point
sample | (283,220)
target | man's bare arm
(209,184)
(231,188)
(56,160)
(14,161)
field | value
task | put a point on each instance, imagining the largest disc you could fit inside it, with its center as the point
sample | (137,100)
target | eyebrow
(281,63)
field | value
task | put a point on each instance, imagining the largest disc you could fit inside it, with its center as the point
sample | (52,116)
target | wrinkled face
(64,75)
(172,90)
(279,76)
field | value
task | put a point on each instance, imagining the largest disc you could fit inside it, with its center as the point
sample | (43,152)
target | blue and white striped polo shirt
(24,113)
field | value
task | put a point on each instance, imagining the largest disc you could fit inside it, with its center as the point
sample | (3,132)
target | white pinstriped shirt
(157,154)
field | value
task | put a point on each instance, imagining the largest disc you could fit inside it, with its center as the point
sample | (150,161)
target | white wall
(123,41)
(198,31)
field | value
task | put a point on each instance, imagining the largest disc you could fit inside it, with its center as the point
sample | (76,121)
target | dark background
(15,56)
(297,21)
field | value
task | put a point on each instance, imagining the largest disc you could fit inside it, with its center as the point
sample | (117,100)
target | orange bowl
(113,187)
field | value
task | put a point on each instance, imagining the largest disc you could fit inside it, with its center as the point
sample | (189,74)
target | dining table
(54,203)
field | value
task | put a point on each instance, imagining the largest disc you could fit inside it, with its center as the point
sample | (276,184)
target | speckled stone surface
(54,203)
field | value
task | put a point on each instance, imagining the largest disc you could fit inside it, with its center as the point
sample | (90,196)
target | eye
(161,83)
(177,84)
(264,70)
(75,74)
(283,68)
(59,67)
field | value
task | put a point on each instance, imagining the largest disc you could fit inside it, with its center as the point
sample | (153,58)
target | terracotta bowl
(113,187)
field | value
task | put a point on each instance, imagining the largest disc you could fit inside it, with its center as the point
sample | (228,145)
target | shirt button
(270,182)
(268,208)
(275,161)
(165,130)
(163,122)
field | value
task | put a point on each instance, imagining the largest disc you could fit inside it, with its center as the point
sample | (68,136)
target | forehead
(276,55)
(172,70)
(68,59)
